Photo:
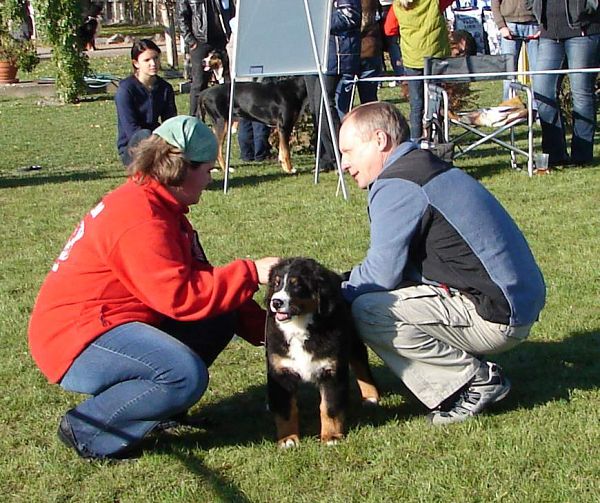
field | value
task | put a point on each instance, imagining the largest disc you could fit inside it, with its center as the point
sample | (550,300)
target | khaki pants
(430,339)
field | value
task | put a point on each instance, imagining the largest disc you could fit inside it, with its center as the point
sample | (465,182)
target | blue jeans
(416,101)
(578,52)
(514,46)
(367,91)
(253,138)
(139,375)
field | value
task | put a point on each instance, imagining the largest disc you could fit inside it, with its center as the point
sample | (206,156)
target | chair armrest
(518,86)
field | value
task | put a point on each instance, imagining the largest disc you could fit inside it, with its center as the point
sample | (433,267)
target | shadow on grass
(243,418)
(37,178)
(543,372)
(223,486)
(243,176)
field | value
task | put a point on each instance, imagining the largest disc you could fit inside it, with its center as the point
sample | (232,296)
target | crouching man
(448,278)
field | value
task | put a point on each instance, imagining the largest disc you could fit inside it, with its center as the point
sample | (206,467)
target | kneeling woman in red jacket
(132,313)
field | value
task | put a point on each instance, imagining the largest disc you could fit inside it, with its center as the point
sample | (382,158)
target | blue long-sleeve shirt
(140,108)
(434,224)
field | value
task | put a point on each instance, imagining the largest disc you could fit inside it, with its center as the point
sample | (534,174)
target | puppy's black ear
(328,292)
(269,292)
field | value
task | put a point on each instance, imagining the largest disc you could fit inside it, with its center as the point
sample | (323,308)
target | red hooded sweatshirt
(134,257)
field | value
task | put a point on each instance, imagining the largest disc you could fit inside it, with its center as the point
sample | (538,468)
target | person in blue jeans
(371,44)
(570,36)
(343,58)
(253,138)
(518,29)
(132,313)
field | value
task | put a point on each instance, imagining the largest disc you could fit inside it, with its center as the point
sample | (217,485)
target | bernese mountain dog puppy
(310,337)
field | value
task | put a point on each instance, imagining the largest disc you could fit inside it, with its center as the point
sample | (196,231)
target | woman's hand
(263,267)
(505,32)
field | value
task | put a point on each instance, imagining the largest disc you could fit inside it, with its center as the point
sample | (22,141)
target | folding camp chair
(495,120)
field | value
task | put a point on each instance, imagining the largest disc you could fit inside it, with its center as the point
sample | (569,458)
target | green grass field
(538,445)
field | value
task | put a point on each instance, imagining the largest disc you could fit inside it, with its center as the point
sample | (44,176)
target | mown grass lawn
(538,445)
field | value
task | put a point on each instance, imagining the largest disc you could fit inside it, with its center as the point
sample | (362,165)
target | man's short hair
(379,115)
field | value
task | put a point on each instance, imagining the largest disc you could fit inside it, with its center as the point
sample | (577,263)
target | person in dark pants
(204,25)
(370,60)
(343,58)
(570,37)
(253,138)
(132,313)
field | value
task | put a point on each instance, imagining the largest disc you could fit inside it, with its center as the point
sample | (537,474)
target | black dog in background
(310,337)
(277,103)
(87,31)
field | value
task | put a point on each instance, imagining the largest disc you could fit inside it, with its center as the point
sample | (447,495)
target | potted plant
(16,50)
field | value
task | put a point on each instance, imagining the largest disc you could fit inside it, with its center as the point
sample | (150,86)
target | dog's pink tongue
(282,316)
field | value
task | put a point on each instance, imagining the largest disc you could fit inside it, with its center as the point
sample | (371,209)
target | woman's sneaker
(487,387)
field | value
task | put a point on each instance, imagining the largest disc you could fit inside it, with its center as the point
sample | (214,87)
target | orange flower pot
(8,72)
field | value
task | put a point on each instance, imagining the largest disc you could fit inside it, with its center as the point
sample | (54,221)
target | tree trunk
(168,22)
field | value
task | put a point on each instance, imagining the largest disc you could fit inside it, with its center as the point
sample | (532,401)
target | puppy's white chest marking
(298,359)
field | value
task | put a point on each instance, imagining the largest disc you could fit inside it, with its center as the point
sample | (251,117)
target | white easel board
(273,37)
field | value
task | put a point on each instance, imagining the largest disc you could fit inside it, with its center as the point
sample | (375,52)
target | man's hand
(505,32)
(263,267)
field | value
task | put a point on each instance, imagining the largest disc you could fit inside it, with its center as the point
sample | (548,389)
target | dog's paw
(292,171)
(332,439)
(289,442)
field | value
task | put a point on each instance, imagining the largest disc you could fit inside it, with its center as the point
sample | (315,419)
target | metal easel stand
(229,119)
(324,102)
(328,113)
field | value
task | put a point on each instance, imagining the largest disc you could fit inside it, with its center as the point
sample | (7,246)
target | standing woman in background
(142,99)
(570,36)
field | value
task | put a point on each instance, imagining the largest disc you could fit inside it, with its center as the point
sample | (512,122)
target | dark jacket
(139,108)
(567,18)
(344,39)
(434,224)
(204,22)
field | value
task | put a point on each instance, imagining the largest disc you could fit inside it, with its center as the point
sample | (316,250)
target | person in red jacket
(132,312)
